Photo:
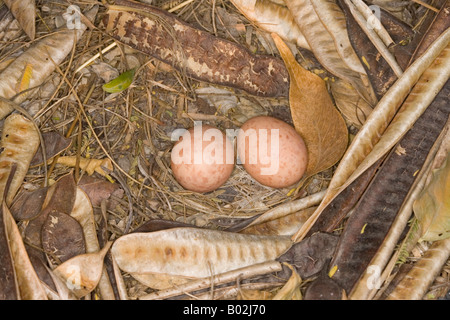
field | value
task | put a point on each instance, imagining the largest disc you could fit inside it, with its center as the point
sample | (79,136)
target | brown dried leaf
(28,204)
(60,197)
(314,115)
(28,282)
(25,12)
(98,189)
(54,145)
(82,273)
(354,109)
(194,252)
(291,289)
(62,237)
(9,289)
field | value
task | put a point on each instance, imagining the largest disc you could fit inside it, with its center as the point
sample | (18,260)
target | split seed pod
(193,252)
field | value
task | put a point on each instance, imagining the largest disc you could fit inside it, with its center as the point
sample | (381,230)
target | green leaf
(120,83)
(432,207)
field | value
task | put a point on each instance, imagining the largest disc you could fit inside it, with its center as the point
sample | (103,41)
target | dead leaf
(432,208)
(314,115)
(62,237)
(25,12)
(291,289)
(354,109)
(82,273)
(194,252)
(28,204)
(9,289)
(83,213)
(54,143)
(27,280)
(99,189)
(60,197)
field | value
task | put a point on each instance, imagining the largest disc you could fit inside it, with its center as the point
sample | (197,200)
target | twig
(243,273)
(375,39)
(426,5)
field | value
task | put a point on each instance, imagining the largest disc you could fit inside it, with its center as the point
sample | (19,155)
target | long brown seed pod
(194,52)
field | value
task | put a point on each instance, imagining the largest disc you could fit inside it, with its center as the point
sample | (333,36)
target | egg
(203,158)
(272,151)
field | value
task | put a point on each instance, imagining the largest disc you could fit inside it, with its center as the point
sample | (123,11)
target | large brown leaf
(314,115)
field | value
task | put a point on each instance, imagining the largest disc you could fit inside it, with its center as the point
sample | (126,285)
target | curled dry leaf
(291,289)
(272,17)
(20,140)
(82,273)
(54,143)
(25,12)
(194,252)
(432,208)
(314,115)
(83,213)
(39,62)
(28,282)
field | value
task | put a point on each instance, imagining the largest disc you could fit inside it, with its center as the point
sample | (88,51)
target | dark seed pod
(194,52)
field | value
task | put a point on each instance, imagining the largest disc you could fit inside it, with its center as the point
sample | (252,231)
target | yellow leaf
(432,207)
(314,115)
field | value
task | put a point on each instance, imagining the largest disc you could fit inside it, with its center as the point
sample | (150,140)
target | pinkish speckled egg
(272,151)
(203,158)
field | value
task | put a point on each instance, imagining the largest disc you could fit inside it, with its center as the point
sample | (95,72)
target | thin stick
(181,5)
(97,55)
(426,5)
(230,276)
(375,39)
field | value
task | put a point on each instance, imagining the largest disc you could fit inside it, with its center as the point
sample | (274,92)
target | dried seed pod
(194,252)
(20,140)
(194,52)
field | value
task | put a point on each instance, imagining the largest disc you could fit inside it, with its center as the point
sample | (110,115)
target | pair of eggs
(270,150)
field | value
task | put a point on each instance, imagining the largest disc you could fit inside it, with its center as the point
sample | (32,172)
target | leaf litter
(109,166)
